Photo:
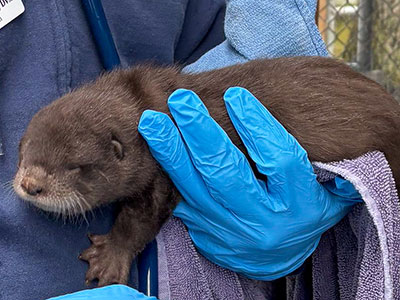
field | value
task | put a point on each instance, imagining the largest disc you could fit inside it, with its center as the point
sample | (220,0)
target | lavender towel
(359,258)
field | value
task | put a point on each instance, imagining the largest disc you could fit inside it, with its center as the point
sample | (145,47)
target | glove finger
(165,144)
(215,156)
(276,152)
(168,148)
(343,188)
(116,291)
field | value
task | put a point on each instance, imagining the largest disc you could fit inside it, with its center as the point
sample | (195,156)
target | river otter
(84,150)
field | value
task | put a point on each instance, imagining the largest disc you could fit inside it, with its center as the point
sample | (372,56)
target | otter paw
(108,262)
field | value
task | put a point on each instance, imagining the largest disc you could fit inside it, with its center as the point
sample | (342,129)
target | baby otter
(84,150)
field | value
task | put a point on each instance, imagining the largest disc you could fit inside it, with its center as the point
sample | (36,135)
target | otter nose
(31,187)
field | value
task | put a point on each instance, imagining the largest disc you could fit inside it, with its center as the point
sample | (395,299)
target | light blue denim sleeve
(264,29)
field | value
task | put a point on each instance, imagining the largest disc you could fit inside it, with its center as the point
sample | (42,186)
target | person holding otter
(262,229)
(276,204)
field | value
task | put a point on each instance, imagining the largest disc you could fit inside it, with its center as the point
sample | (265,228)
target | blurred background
(366,34)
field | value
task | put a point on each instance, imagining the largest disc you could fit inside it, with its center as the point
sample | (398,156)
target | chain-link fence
(366,34)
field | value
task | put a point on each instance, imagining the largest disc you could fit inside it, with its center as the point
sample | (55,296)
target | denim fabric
(44,53)
(265,29)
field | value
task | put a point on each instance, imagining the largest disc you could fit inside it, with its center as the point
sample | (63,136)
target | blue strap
(102,34)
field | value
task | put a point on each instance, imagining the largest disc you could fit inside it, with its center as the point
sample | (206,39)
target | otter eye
(75,167)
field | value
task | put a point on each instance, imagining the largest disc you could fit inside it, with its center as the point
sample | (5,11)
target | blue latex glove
(115,292)
(264,230)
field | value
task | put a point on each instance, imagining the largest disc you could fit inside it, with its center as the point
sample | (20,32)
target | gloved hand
(264,230)
(115,292)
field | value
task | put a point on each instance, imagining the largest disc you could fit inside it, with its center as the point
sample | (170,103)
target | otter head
(77,154)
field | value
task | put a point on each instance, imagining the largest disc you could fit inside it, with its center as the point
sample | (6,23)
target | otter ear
(118,148)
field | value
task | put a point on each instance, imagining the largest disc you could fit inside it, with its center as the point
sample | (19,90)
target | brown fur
(86,145)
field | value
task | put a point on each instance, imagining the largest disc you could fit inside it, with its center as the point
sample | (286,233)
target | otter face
(68,164)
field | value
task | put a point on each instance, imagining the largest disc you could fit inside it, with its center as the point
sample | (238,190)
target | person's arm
(264,29)
(253,29)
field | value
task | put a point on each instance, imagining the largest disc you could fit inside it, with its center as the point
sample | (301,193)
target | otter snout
(31,186)
(30,182)
(52,192)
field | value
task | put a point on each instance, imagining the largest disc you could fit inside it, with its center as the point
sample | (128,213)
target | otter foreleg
(110,256)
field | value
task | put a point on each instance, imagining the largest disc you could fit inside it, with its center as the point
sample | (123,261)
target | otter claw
(96,239)
(90,236)
(107,262)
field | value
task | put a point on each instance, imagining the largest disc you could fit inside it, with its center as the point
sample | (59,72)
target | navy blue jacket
(43,54)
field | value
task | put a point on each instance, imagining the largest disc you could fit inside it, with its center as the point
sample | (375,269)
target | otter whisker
(42,212)
(77,210)
(87,205)
(10,192)
(8,184)
(63,209)
(57,210)
(66,213)
(71,209)
(83,213)
(76,200)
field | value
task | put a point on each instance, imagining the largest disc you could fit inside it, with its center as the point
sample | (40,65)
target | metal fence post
(364,36)
(330,20)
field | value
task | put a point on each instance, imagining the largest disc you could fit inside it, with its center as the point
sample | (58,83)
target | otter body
(84,150)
